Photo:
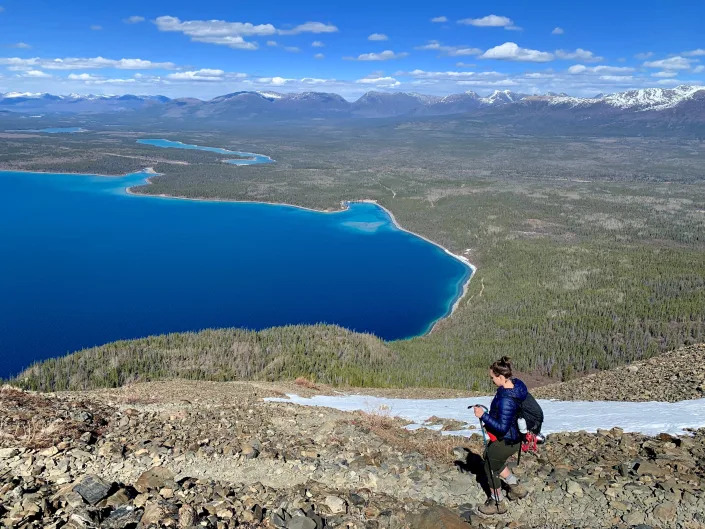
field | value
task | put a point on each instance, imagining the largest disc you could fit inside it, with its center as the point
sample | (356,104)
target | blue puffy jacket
(502,417)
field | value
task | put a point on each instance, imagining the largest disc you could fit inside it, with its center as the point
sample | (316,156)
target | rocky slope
(199,454)
(673,376)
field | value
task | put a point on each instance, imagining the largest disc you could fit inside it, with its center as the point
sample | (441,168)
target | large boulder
(93,489)
(438,518)
(154,478)
(666,512)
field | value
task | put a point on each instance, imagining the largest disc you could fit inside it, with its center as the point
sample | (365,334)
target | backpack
(532,413)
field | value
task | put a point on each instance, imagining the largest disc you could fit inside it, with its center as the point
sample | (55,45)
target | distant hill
(74,103)
(670,107)
(328,353)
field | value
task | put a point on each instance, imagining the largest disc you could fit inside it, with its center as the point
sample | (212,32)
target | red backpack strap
(530,443)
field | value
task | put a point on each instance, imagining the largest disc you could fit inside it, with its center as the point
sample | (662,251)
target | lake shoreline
(343,207)
(462,259)
(146,170)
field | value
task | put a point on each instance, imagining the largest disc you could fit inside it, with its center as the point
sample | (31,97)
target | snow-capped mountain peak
(425,98)
(652,98)
(642,99)
(469,95)
(502,97)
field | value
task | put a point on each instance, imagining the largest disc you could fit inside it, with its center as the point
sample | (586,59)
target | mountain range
(680,104)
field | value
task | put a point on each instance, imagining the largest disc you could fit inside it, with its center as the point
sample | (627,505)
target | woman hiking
(505,440)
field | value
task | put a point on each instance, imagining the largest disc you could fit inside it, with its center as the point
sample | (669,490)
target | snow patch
(270,95)
(649,418)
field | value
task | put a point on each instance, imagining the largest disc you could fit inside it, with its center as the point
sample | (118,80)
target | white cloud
(281,81)
(96,27)
(217,31)
(582,69)
(664,74)
(115,81)
(378,36)
(310,27)
(383,56)
(37,74)
(510,51)
(317,44)
(21,45)
(272,43)
(488,83)
(83,77)
(450,75)
(540,75)
(643,56)
(451,51)
(490,21)
(133,19)
(74,63)
(582,78)
(292,49)
(95,80)
(276,81)
(579,54)
(313,80)
(438,20)
(672,63)
(695,53)
(232,34)
(204,74)
(616,78)
(383,82)
(557,31)
(319,56)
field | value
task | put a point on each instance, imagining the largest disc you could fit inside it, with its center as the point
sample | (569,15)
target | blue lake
(84,263)
(250,157)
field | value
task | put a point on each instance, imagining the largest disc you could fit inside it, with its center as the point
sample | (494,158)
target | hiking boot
(517,492)
(491,507)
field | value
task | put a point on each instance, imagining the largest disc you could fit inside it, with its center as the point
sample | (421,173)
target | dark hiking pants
(496,456)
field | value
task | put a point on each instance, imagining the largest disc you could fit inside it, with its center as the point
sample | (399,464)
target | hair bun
(503,367)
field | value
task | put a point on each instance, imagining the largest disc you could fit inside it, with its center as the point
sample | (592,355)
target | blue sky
(207,48)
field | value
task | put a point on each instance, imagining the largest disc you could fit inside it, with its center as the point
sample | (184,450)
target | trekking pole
(487,461)
(482,426)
